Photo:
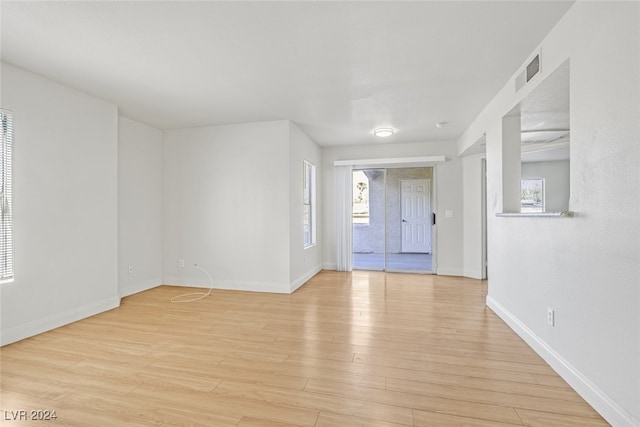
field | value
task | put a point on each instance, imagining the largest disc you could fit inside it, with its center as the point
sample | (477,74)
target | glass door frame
(376,266)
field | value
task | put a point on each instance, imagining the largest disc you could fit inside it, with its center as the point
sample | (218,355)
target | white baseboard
(134,288)
(473,274)
(448,272)
(601,402)
(39,326)
(233,285)
(305,277)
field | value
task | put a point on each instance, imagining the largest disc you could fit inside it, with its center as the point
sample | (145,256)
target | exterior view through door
(391,219)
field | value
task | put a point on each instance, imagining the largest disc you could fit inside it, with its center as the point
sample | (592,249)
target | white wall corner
(305,278)
(330,266)
(598,399)
(57,320)
(134,288)
(449,272)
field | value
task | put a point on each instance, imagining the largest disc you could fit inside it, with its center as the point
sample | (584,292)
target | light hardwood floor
(346,349)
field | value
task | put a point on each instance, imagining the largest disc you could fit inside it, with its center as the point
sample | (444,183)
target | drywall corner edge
(305,278)
(128,290)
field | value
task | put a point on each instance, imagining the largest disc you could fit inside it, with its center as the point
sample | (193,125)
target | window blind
(308,202)
(6,196)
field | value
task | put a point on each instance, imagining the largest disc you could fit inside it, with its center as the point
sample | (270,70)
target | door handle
(404,220)
(433,220)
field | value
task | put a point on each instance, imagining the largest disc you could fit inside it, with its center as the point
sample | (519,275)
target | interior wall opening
(536,149)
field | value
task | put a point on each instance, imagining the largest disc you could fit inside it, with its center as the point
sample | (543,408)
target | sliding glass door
(392,219)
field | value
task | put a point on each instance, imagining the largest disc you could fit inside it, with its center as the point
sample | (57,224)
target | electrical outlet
(181,263)
(131,269)
(551,316)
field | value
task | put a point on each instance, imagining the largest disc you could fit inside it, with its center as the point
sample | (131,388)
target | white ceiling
(337,69)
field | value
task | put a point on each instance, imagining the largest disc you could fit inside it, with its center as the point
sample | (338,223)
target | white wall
(228,204)
(139,206)
(448,191)
(89,191)
(305,263)
(65,205)
(556,180)
(473,253)
(586,268)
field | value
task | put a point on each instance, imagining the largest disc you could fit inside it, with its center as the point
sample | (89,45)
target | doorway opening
(392,223)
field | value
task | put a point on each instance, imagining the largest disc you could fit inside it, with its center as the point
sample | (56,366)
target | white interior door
(416,218)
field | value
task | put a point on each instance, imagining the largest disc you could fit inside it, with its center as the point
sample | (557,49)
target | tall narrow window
(309,205)
(6,199)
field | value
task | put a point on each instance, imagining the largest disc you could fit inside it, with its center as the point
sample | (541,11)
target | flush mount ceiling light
(383,132)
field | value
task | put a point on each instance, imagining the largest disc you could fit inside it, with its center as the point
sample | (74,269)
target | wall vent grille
(533,68)
(527,74)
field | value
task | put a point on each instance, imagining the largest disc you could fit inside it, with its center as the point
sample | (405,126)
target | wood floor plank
(258,422)
(455,362)
(430,419)
(426,369)
(50,388)
(414,352)
(66,415)
(308,371)
(512,387)
(490,412)
(169,377)
(545,419)
(351,405)
(552,381)
(170,407)
(330,419)
(230,403)
(346,349)
(50,376)
(500,398)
